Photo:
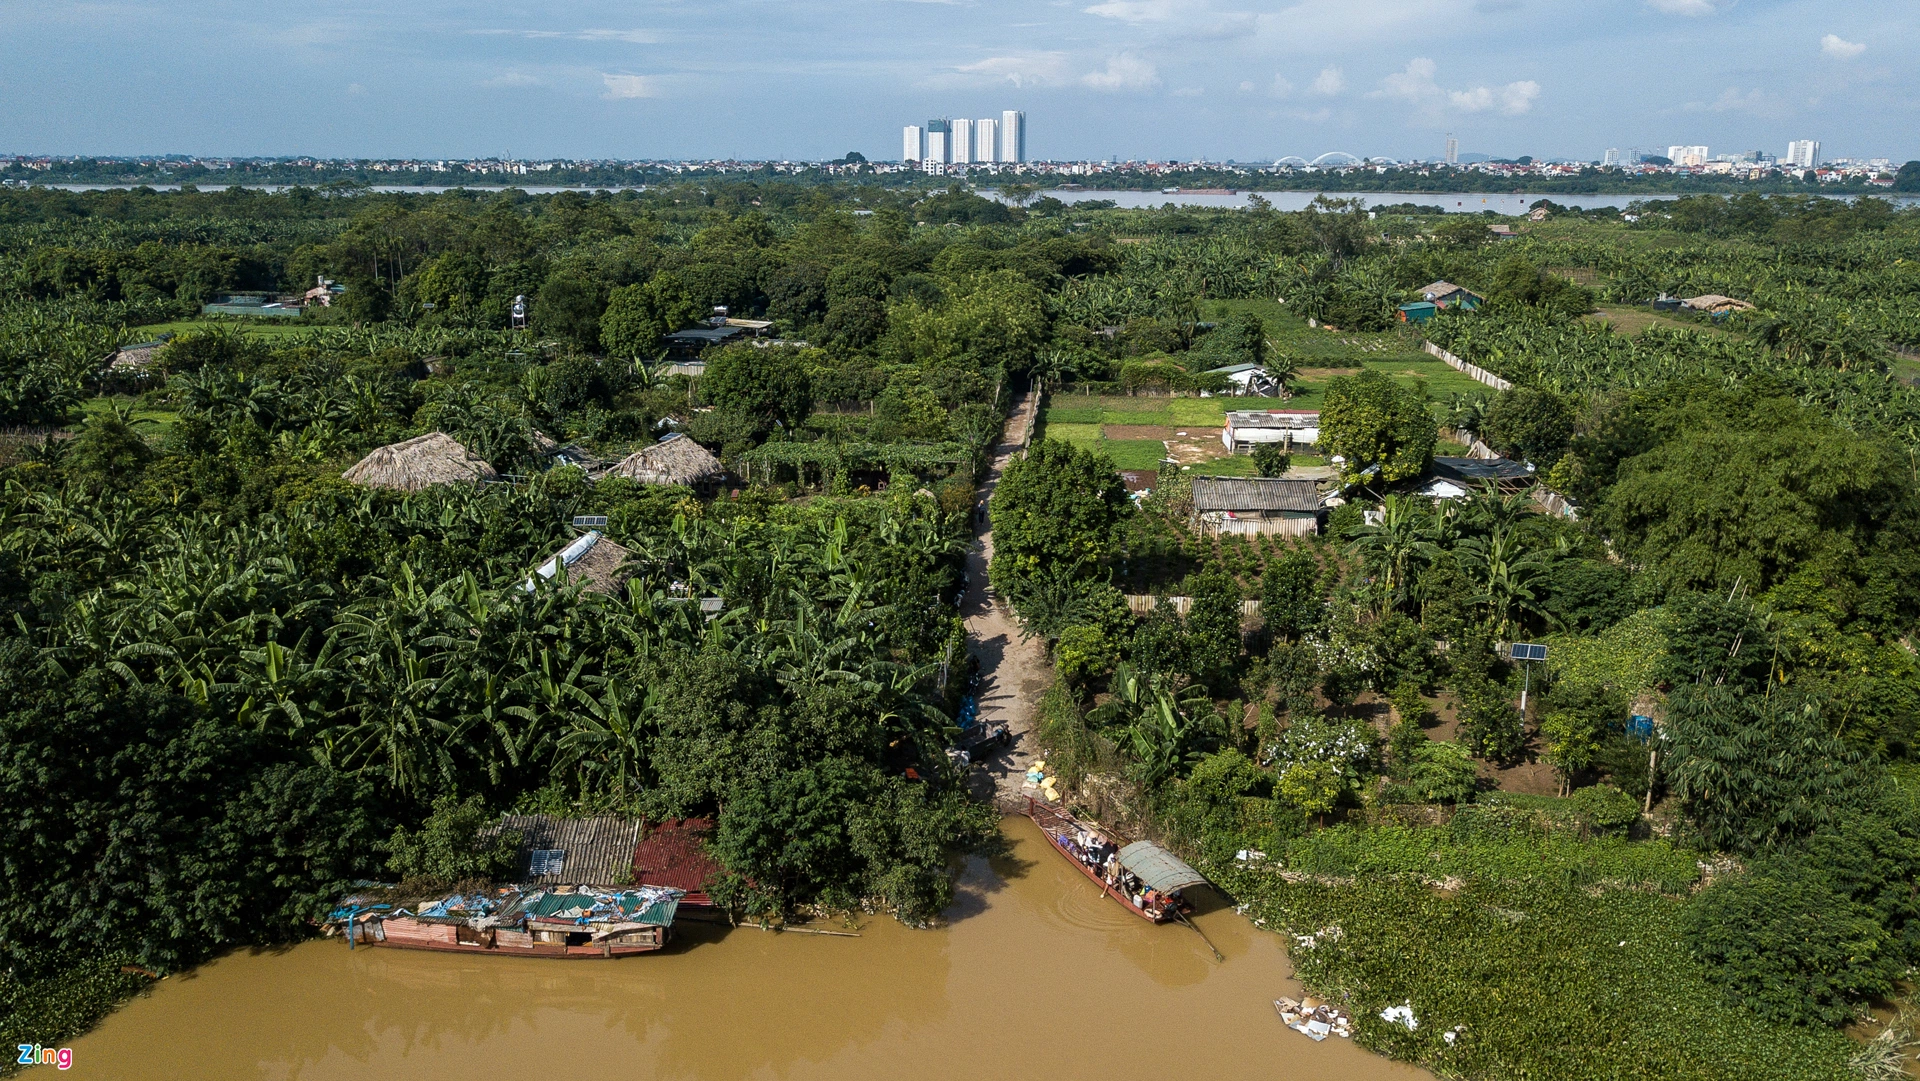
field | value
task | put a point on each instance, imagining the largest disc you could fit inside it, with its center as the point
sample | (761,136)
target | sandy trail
(1014,671)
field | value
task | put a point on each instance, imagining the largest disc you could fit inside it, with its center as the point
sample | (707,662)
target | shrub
(1604,809)
(1441,772)
(1084,654)
(448,846)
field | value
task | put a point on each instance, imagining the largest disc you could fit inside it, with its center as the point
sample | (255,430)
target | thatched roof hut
(434,458)
(592,557)
(674,460)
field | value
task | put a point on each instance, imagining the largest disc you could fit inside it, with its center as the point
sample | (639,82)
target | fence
(1478,373)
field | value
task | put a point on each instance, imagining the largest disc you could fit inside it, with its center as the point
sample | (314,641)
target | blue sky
(816,78)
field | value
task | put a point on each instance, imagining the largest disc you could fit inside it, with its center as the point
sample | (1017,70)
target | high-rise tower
(986,137)
(1013,136)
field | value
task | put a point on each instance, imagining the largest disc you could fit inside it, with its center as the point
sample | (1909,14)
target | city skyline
(1140,79)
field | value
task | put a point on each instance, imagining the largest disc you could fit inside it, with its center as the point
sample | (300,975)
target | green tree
(1908,178)
(1532,423)
(1441,771)
(1291,603)
(771,386)
(569,306)
(1753,771)
(1055,506)
(1370,421)
(1213,625)
(1271,459)
(452,844)
(636,316)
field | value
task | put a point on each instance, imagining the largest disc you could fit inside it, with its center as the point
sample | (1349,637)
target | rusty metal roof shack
(674,853)
(573,851)
(1255,494)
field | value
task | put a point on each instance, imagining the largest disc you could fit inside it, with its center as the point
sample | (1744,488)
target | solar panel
(590,521)
(1527,651)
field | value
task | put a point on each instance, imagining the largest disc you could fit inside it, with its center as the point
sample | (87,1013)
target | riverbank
(1034,973)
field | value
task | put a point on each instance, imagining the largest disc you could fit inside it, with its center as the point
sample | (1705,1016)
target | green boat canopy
(1159,868)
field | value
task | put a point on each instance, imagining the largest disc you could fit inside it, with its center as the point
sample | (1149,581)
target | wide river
(1036,974)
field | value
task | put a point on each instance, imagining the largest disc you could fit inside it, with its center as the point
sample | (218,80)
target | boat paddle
(1217,955)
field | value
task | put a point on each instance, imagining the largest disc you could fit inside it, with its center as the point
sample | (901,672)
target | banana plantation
(236,681)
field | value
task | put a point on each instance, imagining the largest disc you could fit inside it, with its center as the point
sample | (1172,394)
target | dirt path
(1014,671)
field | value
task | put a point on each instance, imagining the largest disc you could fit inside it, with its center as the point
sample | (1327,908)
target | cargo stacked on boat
(563,921)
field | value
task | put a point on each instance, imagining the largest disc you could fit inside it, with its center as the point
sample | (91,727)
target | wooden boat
(1150,880)
(582,923)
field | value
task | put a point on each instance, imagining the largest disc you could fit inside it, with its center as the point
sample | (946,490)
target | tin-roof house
(1274,506)
(1436,298)
(1246,429)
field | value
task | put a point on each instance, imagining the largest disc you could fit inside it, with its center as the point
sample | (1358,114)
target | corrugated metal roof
(1255,493)
(1159,868)
(1475,470)
(598,851)
(1273,418)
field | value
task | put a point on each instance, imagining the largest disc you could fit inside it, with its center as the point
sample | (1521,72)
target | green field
(145,419)
(258,327)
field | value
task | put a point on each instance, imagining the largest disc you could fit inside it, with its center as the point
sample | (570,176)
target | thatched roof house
(594,558)
(674,460)
(434,458)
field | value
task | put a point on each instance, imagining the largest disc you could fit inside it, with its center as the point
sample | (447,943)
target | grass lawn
(1632,320)
(1134,453)
(260,328)
(151,419)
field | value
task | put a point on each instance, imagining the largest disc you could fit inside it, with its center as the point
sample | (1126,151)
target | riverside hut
(676,459)
(421,462)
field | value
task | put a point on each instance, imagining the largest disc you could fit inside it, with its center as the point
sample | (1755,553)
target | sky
(811,79)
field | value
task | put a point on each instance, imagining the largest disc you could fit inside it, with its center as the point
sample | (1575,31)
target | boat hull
(408,934)
(1049,820)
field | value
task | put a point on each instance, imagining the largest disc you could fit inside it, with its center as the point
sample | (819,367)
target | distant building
(1453,150)
(1688,155)
(1436,298)
(939,146)
(1013,136)
(1803,154)
(986,135)
(962,142)
(1613,157)
(914,146)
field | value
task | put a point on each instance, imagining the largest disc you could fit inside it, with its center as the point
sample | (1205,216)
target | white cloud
(1138,11)
(1417,87)
(1029,69)
(512,78)
(1282,86)
(1189,91)
(620,87)
(356,89)
(1840,48)
(1184,18)
(630,37)
(1329,82)
(1124,72)
(1247,87)
(1692,9)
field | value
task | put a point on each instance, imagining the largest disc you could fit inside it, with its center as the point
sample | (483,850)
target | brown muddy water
(1036,974)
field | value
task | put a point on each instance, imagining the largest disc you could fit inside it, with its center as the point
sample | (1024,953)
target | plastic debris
(1401,1015)
(1314,1019)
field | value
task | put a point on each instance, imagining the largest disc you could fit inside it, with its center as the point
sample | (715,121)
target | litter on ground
(1314,1019)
